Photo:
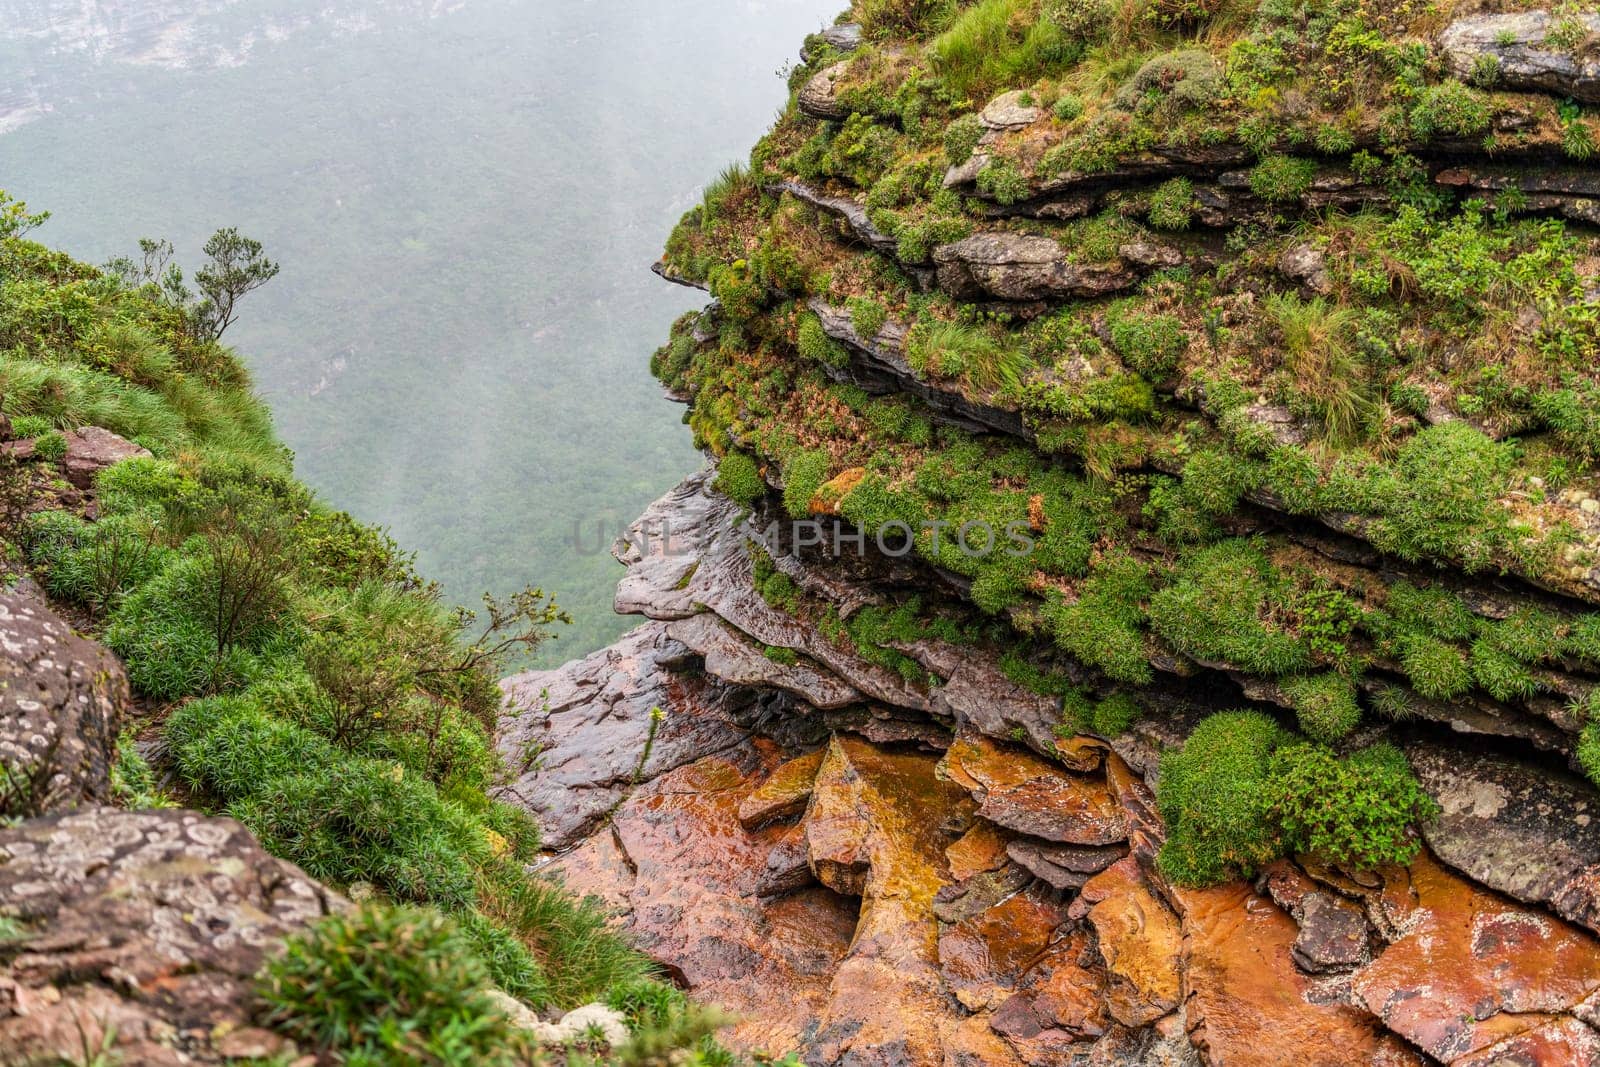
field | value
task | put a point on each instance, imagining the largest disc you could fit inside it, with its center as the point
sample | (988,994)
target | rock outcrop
(1519,51)
(61,704)
(983,890)
(138,935)
(125,936)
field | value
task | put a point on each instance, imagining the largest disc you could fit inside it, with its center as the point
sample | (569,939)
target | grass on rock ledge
(306,682)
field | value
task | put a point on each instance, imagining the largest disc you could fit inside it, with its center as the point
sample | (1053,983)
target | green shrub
(1325,705)
(50,447)
(1002,182)
(1172,205)
(1430,610)
(1241,792)
(815,344)
(365,820)
(1150,344)
(1436,669)
(1449,108)
(1445,505)
(739,479)
(1067,107)
(867,316)
(1500,674)
(1358,810)
(961,139)
(1114,714)
(397,986)
(1281,179)
(940,349)
(994,43)
(1215,798)
(1589,751)
(1104,626)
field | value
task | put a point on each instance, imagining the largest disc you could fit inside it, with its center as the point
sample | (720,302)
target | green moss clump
(1220,608)
(739,479)
(1241,792)
(1359,810)
(1325,705)
(1215,801)
(1149,344)
(803,475)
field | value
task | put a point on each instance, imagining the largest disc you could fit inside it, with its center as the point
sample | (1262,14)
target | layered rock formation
(125,936)
(871,871)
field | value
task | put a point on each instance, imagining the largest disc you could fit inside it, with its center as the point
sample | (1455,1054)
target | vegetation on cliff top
(1233,283)
(302,677)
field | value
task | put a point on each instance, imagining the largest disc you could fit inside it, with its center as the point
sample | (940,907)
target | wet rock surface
(61,706)
(1525,830)
(935,875)
(1523,57)
(140,934)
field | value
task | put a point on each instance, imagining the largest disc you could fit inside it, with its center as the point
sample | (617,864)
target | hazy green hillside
(465,200)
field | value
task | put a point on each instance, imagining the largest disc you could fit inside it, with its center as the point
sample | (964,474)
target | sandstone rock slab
(61,707)
(142,932)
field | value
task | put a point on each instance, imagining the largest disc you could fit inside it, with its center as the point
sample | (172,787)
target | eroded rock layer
(931,873)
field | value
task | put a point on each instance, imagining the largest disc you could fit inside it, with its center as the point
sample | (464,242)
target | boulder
(91,450)
(878,825)
(1017,267)
(1519,45)
(818,96)
(1008,112)
(1140,940)
(61,708)
(1306,264)
(1248,1004)
(1063,866)
(1529,831)
(140,933)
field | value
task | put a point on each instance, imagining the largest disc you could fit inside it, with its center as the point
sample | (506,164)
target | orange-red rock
(1248,1005)
(686,875)
(985,955)
(980,849)
(784,794)
(1023,792)
(1059,1007)
(878,824)
(1560,1043)
(1139,939)
(1473,968)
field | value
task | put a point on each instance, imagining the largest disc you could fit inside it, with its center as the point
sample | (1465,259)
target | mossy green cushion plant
(1242,791)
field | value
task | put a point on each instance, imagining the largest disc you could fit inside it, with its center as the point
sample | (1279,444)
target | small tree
(15,221)
(236,266)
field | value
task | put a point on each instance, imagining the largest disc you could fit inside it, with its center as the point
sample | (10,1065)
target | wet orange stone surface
(1247,1004)
(1139,939)
(1474,968)
(1023,792)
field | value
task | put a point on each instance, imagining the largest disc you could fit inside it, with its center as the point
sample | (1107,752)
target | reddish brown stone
(1248,1005)
(1023,792)
(1139,939)
(1473,968)
(782,795)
